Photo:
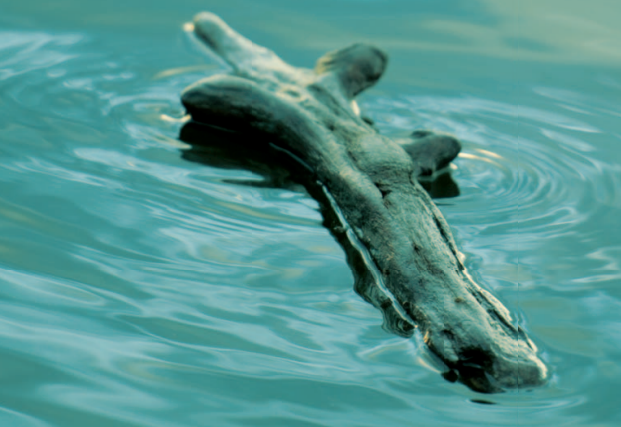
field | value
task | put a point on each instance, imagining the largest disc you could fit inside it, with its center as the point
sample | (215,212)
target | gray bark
(398,243)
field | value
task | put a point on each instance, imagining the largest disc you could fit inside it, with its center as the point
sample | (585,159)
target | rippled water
(141,289)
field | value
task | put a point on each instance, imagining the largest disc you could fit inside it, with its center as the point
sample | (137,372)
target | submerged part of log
(404,256)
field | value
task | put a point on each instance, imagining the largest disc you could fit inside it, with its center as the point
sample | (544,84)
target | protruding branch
(246,57)
(430,151)
(239,104)
(357,66)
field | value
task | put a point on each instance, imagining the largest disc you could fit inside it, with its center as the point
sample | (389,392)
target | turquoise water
(140,289)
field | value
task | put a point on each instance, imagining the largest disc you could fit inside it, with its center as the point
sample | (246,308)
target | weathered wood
(398,243)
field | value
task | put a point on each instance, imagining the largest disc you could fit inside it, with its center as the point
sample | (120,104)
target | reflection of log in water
(399,245)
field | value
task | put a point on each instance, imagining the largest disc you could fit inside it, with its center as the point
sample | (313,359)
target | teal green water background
(140,289)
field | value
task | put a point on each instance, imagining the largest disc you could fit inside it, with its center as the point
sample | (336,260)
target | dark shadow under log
(398,243)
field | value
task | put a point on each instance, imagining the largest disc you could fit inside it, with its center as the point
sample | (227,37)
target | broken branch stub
(409,262)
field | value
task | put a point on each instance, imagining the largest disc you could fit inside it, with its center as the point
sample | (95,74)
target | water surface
(141,289)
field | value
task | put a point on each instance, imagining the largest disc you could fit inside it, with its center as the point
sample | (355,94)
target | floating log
(399,245)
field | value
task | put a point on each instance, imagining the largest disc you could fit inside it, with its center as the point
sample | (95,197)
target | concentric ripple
(526,174)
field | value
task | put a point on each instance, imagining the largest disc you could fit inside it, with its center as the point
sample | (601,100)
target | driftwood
(397,241)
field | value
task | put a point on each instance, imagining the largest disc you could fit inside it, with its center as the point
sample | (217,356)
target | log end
(496,373)
(478,341)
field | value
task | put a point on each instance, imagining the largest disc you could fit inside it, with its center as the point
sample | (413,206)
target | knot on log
(398,244)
